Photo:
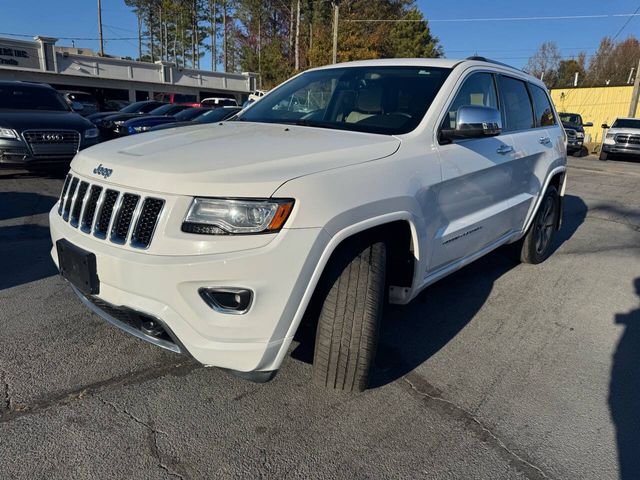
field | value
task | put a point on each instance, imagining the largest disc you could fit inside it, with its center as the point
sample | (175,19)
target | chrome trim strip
(134,219)
(92,227)
(127,328)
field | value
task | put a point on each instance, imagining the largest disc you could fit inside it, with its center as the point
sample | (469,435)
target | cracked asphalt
(501,371)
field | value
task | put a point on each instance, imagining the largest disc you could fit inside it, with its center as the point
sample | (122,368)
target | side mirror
(604,125)
(588,124)
(474,121)
(77,106)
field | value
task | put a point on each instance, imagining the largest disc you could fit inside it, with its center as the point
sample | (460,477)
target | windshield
(217,115)
(81,97)
(626,123)
(22,97)
(388,100)
(141,107)
(163,110)
(190,114)
(571,118)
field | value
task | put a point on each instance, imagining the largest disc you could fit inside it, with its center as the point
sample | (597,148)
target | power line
(24,35)
(626,23)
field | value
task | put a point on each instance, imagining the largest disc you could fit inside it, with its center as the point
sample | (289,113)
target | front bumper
(621,148)
(166,287)
(16,154)
(573,145)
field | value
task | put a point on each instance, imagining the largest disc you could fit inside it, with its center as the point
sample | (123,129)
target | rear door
(537,145)
(478,197)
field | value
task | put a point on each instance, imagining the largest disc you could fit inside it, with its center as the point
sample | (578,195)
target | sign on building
(14,53)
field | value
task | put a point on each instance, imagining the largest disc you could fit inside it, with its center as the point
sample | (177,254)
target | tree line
(276,38)
(611,64)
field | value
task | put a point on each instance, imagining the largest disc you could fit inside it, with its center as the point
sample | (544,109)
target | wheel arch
(557,178)
(404,221)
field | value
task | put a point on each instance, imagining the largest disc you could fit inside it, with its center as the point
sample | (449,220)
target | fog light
(227,300)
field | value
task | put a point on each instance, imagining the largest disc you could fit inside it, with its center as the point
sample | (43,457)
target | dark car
(164,114)
(111,125)
(135,108)
(37,127)
(573,125)
(209,116)
(80,102)
(115,105)
(148,122)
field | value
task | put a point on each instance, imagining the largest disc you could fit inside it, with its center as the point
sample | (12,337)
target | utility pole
(636,92)
(214,33)
(336,15)
(100,28)
(297,55)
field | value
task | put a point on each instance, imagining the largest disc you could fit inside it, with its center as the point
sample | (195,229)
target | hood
(573,126)
(234,159)
(120,116)
(99,115)
(623,131)
(149,119)
(21,120)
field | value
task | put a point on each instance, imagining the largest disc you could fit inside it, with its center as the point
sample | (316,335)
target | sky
(455,22)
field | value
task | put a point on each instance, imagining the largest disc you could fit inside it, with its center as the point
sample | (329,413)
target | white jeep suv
(345,186)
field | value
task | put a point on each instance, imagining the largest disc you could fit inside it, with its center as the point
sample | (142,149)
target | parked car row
(44,127)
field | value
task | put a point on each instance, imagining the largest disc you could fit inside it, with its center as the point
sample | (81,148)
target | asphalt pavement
(499,371)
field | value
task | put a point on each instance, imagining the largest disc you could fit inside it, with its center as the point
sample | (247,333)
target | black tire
(536,246)
(347,332)
(604,156)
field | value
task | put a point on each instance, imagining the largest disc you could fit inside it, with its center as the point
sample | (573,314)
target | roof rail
(488,60)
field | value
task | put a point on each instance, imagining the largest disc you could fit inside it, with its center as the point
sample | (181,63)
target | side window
(517,113)
(542,105)
(477,89)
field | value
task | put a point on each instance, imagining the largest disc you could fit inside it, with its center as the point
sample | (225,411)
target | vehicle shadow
(411,334)
(24,204)
(24,255)
(624,392)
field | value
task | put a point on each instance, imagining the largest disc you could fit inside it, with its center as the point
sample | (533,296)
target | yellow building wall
(596,104)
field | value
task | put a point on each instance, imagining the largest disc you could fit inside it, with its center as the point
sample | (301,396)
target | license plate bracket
(78,266)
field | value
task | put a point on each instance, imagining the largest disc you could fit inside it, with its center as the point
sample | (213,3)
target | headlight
(8,133)
(610,135)
(139,129)
(119,122)
(218,216)
(579,135)
(91,133)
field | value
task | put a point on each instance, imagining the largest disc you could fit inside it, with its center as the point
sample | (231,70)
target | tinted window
(21,97)
(571,118)
(217,115)
(626,123)
(190,114)
(542,106)
(387,100)
(517,113)
(478,89)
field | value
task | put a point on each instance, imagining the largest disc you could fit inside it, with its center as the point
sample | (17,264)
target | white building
(112,78)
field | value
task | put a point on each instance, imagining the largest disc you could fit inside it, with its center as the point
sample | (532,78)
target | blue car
(208,116)
(165,114)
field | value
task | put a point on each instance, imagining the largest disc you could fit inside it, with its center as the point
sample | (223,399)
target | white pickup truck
(350,184)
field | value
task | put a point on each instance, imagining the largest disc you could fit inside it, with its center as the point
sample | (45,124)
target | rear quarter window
(542,106)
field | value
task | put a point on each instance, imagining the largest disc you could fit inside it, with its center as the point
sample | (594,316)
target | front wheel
(347,333)
(603,156)
(536,246)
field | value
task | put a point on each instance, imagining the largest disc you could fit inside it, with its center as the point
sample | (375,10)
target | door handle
(504,149)
(545,140)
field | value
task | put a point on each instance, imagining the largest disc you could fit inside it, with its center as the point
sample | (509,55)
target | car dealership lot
(499,371)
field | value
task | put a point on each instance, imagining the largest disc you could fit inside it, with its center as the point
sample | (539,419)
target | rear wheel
(347,333)
(535,247)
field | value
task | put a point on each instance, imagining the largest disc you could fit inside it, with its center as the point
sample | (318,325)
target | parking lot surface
(499,371)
